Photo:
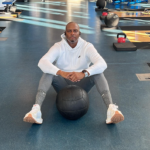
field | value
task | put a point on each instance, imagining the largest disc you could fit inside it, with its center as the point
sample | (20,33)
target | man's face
(72,32)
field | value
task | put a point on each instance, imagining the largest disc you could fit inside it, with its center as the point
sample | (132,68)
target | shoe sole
(118,117)
(30,119)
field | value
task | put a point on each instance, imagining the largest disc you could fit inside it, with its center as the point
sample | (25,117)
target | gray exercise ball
(72,102)
(111,20)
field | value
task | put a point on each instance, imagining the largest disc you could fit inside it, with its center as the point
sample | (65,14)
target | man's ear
(65,33)
(79,33)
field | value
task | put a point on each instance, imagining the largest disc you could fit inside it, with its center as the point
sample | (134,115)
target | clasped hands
(72,76)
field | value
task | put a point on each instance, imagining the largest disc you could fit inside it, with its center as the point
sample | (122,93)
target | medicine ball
(72,102)
(111,20)
(101,4)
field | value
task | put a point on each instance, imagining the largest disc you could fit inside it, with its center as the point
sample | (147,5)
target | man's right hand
(64,74)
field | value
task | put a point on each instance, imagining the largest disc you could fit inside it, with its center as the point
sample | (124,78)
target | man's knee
(98,76)
(45,82)
(47,76)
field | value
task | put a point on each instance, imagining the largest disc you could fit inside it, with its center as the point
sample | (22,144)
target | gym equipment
(10,6)
(121,39)
(128,46)
(13,9)
(116,2)
(104,14)
(2,28)
(111,20)
(136,1)
(146,11)
(101,4)
(129,1)
(126,9)
(72,102)
(10,12)
(124,46)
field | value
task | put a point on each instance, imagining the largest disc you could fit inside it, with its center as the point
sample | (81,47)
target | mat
(3,39)
(1,29)
(134,18)
(128,28)
(127,46)
(11,19)
(143,77)
(131,14)
(17,11)
(142,45)
(8,17)
(126,9)
(138,35)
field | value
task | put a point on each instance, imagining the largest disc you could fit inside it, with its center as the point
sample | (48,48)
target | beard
(72,41)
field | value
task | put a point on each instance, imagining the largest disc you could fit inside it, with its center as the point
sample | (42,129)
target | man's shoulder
(88,44)
(85,43)
(56,45)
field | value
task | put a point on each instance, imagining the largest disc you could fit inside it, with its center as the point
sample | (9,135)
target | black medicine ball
(111,20)
(101,3)
(72,102)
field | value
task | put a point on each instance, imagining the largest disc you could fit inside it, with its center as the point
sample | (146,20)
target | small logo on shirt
(79,56)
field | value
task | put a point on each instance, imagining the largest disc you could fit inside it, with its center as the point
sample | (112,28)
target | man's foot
(34,116)
(114,115)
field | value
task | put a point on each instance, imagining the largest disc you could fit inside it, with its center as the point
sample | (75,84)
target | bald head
(70,24)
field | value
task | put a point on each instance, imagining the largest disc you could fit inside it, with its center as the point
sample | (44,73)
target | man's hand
(72,76)
(76,76)
(64,74)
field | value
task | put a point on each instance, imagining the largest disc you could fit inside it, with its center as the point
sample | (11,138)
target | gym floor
(28,40)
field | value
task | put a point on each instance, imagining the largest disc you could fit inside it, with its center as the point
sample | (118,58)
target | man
(72,57)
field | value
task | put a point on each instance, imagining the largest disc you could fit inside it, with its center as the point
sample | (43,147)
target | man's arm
(99,64)
(45,63)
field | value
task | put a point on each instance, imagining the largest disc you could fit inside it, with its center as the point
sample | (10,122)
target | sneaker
(34,116)
(114,115)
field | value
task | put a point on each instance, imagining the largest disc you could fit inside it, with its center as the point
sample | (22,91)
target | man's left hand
(76,76)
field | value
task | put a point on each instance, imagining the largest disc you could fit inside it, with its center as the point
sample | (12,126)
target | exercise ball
(111,20)
(72,102)
(101,4)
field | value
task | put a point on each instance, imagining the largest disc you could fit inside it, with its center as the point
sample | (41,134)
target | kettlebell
(121,39)
(104,14)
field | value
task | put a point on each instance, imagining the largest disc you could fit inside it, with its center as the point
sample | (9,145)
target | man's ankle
(37,106)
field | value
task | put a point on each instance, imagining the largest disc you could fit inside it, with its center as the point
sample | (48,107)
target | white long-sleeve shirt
(70,59)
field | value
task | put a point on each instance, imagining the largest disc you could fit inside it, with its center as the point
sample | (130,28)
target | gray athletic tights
(59,83)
